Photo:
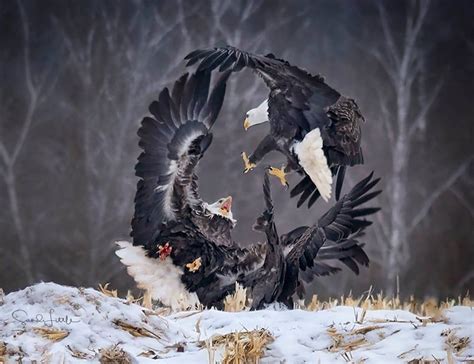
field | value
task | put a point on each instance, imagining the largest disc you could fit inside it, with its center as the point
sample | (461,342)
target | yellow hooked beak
(247,123)
(226,205)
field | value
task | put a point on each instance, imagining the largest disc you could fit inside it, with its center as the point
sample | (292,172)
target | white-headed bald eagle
(183,252)
(317,129)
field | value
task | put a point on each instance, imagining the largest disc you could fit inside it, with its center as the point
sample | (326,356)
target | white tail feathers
(311,157)
(160,278)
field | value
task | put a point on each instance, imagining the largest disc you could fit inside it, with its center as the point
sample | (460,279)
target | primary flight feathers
(298,104)
(183,250)
(173,140)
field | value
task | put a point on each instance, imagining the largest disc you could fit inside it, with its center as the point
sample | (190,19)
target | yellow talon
(280,174)
(194,265)
(248,166)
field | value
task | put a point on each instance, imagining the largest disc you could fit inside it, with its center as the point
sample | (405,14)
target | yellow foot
(248,166)
(194,265)
(280,174)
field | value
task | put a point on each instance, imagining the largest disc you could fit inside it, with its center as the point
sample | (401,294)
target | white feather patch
(161,278)
(311,157)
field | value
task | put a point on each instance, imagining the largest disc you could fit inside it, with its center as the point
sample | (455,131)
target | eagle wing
(310,104)
(173,140)
(300,88)
(335,236)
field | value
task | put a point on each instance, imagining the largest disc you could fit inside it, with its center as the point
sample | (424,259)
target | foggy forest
(78,76)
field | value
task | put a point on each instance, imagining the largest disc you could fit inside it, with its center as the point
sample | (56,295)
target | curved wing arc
(174,138)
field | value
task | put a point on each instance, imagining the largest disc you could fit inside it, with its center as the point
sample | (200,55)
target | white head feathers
(221,207)
(256,116)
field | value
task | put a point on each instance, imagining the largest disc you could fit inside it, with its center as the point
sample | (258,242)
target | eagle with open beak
(183,254)
(222,208)
(226,205)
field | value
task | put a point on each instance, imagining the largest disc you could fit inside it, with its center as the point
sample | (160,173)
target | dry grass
(132,299)
(51,334)
(80,354)
(429,309)
(237,301)
(3,352)
(114,355)
(454,343)
(136,330)
(247,347)
(243,347)
(108,292)
(346,342)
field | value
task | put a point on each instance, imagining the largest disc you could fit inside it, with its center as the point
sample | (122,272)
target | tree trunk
(18,224)
(398,236)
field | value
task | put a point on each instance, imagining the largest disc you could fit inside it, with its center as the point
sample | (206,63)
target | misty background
(77,77)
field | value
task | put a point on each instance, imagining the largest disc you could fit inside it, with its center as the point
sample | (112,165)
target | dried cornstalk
(51,334)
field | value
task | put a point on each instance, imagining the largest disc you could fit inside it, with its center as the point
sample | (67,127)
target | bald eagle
(317,129)
(183,252)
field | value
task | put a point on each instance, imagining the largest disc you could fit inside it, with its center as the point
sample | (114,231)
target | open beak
(226,205)
(246,124)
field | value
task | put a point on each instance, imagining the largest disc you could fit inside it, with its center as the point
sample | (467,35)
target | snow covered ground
(58,324)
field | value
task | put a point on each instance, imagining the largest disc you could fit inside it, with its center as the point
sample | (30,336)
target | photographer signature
(48,319)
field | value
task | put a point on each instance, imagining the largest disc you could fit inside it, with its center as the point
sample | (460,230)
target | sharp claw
(248,166)
(280,174)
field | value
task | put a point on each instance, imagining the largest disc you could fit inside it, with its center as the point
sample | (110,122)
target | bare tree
(112,63)
(404,113)
(37,87)
(112,72)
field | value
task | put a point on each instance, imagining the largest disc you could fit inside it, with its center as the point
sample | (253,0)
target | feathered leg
(264,147)
(147,300)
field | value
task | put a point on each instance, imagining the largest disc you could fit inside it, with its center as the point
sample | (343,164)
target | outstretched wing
(308,190)
(335,235)
(173,140)
(348,251)
(299,87)
(309,103)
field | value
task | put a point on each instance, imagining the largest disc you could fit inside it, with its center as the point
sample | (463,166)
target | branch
(4,154)
(250,9)
(30,87)
(437,193)
(463,202)
(381,238)
(423,8)
(383,62)
(411,35)
(425,108)
(386,119)
(26,49)
(388,35)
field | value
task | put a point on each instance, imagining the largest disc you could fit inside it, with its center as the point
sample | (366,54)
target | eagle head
(222,207)
(256,116)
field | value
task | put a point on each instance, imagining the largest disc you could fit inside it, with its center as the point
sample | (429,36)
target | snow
(88,316)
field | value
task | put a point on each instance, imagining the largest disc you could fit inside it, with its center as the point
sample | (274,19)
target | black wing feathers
(341,172)
(338,221)
(262,222)
(173,141)
(335,235)
(211,109)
